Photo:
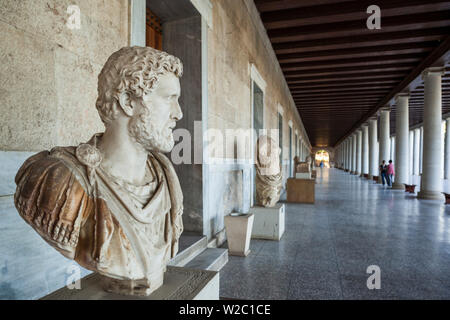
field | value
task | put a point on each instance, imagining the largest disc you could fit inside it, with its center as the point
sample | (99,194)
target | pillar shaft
(349,153)
(384,138)
(393,139)
(411,152)
(401,143)
(447,150)
(346,155)
(431,184)
(421,151)
(354,143)
(373,161)
(358,151)
(416,152)
(365,150)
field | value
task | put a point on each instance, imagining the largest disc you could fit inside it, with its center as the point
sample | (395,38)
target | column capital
(402,95)
(386,108)
(433,71)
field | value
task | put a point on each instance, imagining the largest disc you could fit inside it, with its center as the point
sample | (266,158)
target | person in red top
(391,172)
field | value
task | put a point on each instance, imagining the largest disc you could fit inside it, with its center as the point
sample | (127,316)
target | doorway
(322,156)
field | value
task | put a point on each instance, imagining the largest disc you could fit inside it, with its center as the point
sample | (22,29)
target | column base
(370,177)
(430,195)
(398,186)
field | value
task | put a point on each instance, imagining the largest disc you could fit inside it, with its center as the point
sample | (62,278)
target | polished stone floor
(327,247)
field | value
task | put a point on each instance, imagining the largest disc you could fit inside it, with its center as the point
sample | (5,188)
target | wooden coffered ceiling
(340,72)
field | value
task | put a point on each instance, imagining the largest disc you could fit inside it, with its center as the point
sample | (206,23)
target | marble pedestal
(239,231)
(303,175)
(179,284)
(269,223)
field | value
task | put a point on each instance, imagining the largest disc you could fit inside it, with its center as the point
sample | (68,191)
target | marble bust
(268,172)
(114,204)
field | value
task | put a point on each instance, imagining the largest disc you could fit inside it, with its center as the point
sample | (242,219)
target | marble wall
(237,40)
(48,71)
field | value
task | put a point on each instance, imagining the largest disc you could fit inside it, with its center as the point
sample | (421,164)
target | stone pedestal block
(179,284)
(239,231)
(301,190)
(269,223)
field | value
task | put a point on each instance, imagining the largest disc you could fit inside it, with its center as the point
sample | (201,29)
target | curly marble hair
(135,70)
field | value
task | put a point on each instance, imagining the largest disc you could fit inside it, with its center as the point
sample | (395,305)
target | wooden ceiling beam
(398,58)
(293,33)
(436,55)
(365,38)
(359,69)
(354,77)
(346,83)
(325,10)
(338,90)
(370,50)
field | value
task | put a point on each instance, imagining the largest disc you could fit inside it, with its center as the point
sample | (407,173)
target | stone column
(365,151)
(443,149)
(358,151)
(421,151)
(339,157)
(431,184)
(401,142)
(447,150)
(346,154)
(384,139)
(347,148)
(373,165)
(411,152)
(349,152)
(354,153)
(416,152)
(393,149)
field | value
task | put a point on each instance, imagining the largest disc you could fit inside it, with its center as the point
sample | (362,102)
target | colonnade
(422,151)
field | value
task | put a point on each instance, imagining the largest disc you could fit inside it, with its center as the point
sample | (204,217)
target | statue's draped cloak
(88,216)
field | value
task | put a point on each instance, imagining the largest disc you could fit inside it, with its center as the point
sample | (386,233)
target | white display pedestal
(179,284)
(269,223)
(239,231)
(305,175)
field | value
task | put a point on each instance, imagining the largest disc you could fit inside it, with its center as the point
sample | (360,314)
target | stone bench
(447,197)
(409,188)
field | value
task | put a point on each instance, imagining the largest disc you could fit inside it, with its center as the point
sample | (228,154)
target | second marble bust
(114,204)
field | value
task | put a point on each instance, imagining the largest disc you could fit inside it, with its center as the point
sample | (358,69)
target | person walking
(383,173)
(390,173)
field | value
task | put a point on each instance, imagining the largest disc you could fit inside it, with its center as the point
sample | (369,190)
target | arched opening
(322,156)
